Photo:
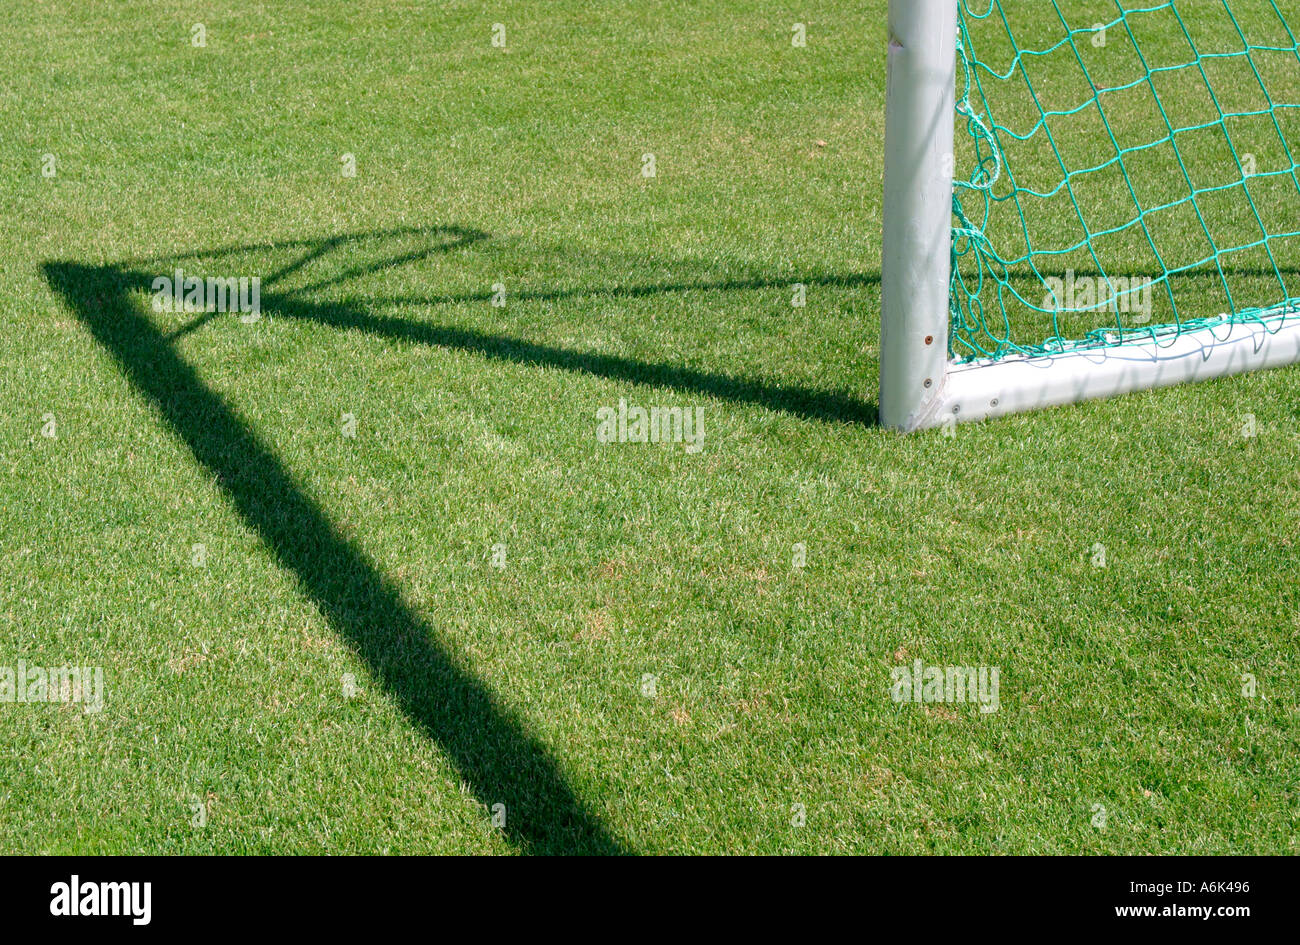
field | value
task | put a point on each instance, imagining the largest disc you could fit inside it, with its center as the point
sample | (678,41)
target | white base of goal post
(980,390)
(917,252)
(919,387)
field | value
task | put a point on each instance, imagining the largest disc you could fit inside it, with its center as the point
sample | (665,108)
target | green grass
(370,555)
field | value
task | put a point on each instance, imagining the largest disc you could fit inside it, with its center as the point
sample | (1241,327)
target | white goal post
(920,385)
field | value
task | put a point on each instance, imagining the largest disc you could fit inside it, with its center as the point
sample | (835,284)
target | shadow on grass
(361,314)
(803,402)
(489,744)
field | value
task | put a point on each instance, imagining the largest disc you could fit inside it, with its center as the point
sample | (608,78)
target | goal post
(931,375)
(917,245)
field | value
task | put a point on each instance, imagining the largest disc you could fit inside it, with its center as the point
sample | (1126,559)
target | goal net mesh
(1127,172)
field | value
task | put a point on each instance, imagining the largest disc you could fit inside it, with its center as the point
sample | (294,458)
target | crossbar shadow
(804,402)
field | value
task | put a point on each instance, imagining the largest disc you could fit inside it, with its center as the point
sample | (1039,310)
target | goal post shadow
(487,742)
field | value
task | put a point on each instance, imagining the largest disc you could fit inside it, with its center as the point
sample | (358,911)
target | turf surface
(277,538)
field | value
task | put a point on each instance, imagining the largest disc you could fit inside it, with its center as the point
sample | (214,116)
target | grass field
(281,540)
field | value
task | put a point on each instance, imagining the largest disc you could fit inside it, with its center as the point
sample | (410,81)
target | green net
(1129,173)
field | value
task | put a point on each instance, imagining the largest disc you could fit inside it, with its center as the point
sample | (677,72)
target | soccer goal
(1084,199)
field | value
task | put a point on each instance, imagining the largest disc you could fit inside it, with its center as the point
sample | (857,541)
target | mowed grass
(345,669)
